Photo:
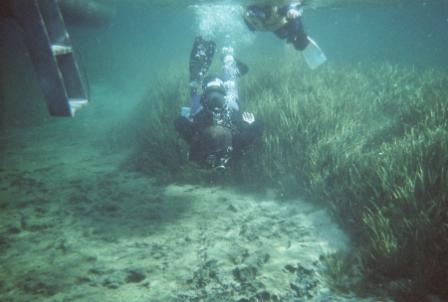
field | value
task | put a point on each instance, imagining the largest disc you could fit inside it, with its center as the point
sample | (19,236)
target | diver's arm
(248,130)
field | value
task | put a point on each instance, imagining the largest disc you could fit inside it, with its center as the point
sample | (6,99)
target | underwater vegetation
(370,142)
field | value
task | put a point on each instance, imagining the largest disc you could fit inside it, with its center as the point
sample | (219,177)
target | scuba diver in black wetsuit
(285,22)
(213,126)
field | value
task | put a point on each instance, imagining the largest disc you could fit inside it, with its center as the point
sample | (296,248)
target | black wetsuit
(293,32)
(243,133)
(5,9)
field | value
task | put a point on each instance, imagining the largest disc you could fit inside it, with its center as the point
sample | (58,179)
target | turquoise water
(143,40)
(83,217)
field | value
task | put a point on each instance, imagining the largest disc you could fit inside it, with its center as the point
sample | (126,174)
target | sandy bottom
(76,226)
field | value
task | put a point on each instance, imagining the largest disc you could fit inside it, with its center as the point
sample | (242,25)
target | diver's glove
(248,117)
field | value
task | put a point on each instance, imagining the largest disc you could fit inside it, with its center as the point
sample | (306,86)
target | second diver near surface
(285,21)
(213,126)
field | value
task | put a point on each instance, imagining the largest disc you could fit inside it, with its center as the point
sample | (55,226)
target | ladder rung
(76,104)
(61,50)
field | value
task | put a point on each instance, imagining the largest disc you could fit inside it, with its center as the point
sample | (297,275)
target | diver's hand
(248,117)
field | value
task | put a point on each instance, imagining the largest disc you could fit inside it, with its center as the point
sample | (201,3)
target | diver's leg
(282,32)
(294,33)
(297,35)
(201,57)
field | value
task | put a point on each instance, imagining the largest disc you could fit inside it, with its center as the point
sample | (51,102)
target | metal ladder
(52,55)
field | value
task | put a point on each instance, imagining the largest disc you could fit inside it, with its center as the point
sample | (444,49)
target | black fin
(242,68)
(201,57)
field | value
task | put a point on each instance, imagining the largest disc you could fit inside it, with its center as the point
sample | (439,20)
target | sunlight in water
(220,21)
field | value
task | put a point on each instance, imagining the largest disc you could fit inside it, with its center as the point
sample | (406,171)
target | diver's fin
(242,68)
(313,55)
(201,57)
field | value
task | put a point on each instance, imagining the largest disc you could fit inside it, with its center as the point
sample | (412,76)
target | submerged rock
(135,276)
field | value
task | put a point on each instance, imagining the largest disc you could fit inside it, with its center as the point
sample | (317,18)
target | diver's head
(256,15)
(216,142)
(214,93)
